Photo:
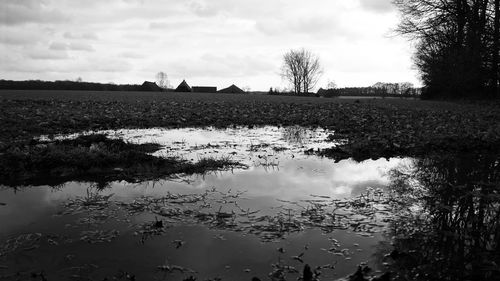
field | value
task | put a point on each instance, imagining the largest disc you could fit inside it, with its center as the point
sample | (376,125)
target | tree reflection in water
(447,223)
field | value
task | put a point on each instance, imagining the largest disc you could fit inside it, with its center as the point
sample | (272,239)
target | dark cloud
(29,11)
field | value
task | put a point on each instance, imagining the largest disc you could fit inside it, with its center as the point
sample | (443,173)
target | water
(285,210)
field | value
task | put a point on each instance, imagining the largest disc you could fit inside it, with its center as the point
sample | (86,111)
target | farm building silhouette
(233,89)
(183,87)
(204,89)
(150,87)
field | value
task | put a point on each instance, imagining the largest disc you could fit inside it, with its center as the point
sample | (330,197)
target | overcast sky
(206,42)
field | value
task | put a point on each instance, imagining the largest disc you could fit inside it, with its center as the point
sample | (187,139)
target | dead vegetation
(95,158)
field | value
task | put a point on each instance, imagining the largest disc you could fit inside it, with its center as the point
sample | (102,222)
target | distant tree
(291,70)
(301,69)
(162,80)
(247,89)
(406,88)
(311,71)
(79,80)
(331,85)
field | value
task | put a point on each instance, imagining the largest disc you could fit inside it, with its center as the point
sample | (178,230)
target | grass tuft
(94,158)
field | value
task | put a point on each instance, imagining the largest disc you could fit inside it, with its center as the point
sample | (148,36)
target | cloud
(255,9)
(23,12)
(382,6)
(202,9)
(229,65)
(73,46)
(109,65)
(177,24)
(84,35)
(306,25)
(79,46)
(48,55)
(12,36)
(132,55)
(73,66)
(58,46)
(134,1)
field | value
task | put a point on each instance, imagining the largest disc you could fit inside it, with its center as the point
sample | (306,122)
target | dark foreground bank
(94,158)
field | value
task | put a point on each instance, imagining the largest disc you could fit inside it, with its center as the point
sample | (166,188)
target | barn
(150,87)
(233,89)
(204,89)
(183,87)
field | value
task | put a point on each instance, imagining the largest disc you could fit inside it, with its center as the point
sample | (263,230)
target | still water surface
(285,210)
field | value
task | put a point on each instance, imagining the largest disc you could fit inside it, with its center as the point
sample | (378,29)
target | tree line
(71,86)
(379,89)
(457,45)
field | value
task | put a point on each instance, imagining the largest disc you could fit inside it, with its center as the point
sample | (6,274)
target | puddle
(264,146)
(282,212)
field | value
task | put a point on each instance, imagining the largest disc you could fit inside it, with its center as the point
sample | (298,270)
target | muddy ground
(374,127)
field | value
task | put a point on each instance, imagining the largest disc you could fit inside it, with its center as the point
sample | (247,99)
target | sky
(206,42)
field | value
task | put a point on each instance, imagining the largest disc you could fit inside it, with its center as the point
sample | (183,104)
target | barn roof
(150,86)
(233,89)
(183,87)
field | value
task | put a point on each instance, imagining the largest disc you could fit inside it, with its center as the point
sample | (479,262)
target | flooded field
(281,210)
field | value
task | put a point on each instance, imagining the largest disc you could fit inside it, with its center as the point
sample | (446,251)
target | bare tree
(302,69)
(457,44)
(311,71)
(496,48)
(162,80)
(290,70)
